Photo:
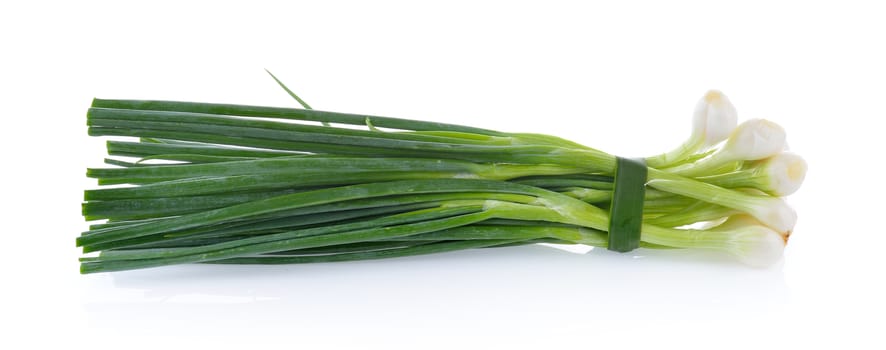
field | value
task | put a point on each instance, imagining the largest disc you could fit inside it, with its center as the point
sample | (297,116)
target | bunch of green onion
(236,184)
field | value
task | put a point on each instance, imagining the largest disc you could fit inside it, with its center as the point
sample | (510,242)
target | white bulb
(755,139)
(714,119)
(739,221)
(756,246)
(785,172)
(776,214)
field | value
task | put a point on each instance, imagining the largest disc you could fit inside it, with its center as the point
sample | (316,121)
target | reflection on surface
(526,286)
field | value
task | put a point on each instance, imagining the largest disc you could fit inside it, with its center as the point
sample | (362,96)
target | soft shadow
(510,282)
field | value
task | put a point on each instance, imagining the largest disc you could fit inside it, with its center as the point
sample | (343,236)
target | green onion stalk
(238,184)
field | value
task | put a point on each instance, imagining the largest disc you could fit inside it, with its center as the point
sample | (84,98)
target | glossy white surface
(622,78)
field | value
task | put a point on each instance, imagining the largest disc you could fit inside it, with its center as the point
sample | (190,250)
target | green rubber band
(626,212)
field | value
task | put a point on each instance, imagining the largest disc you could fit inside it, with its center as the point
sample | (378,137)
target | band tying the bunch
(626,211)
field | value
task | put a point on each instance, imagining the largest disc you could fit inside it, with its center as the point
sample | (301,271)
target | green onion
(239,184)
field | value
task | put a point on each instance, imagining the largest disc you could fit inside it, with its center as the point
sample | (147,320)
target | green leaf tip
(288,91)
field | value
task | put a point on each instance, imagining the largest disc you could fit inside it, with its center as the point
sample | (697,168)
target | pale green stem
(769,210)
(741,178)
(686,238)
(699,212)
(677,155)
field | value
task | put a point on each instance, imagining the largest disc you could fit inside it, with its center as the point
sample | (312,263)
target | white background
(620,77)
